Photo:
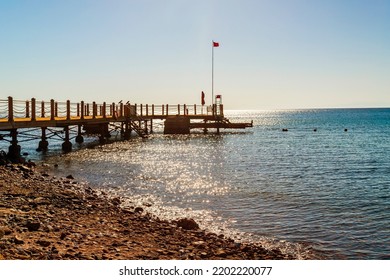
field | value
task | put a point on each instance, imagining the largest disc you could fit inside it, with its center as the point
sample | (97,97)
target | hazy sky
(273,53)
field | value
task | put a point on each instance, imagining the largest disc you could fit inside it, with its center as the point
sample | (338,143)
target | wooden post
(42,109)
(185,109)
(33,109)
(10,109)
(162,111)
(52,112)
(82,110)
(104,110)
(152,109)
(167,110)
(221,109)
(94,109)
(113,113)
(121,109)
(126,109)
(147,109)
(68,110)
(194,109)
(141,109)
(27,109)
(87,110)
(56,109)
(78,109)
(178,109)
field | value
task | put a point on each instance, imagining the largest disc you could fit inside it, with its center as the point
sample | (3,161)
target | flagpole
(212,72)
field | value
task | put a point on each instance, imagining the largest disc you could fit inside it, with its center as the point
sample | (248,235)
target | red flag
(215,44)
(203,102)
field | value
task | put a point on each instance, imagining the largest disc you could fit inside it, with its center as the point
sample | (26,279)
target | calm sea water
(321,194)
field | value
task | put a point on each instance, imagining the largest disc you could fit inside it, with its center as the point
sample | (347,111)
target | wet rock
(187,224)
(70,177)
(116,201)
(221,253)
(33,225)
(18,240)
(31,164)
(24,168)
(6,230)
(43,243)
(138,210)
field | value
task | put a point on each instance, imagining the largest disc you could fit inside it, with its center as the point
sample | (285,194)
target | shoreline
(47,217)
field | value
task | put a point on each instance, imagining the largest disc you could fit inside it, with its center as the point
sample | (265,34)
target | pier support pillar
(14,149)
(79,137)
(67,145)
(43,144)
(103,134)
(146,127)
(127,132)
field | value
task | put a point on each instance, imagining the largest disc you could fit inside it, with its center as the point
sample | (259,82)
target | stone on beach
(188,224)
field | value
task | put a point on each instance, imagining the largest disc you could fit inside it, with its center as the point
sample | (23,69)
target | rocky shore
(44,217)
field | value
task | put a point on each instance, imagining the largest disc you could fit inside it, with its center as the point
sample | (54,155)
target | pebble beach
(43,217)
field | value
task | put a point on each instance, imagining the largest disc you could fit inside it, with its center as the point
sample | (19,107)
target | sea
(314,183)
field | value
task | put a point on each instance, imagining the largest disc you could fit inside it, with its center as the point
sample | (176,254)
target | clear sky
(273,54)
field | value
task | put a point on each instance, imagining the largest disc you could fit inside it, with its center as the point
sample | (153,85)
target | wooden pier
(94,118)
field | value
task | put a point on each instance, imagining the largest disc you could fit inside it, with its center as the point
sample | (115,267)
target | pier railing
(32,110)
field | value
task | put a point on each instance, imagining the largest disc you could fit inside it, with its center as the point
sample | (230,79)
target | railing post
(221,109)
(42,109)
(185,109)
(52,110)
(121,109)
(152,109)
(94,107)
(56,109)
(162,111)
(167,110)
(82,110)
(33,109)
(135,106)
(141,109)
(104,109)
(147,109)
(78,109)
(87,110)
(194,109)
(113,113)
(10,109)
(27,109)
(68,110)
